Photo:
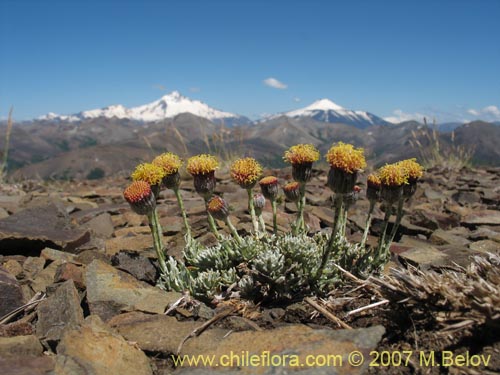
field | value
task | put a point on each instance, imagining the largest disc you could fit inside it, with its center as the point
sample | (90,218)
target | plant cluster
(272,266)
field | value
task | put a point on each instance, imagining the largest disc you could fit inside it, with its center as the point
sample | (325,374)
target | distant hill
(103,146)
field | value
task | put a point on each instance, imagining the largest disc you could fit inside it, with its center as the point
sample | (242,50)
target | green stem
(252,211)
(381,243)
(184,215)
(368,223)
(262,224)
(299,223)
(275,222)
(399,216)
(233,230)
(154,226)
(212,225)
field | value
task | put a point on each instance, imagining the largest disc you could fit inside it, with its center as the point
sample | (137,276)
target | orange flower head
(218,207)
(245,172)
(140,197)
(373,181)
(269,187)
(345,157)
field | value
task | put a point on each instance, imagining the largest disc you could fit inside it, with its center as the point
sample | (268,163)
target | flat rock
(59,311)
(20,346)
(11,295)
(420,252)
(24,365)
(482,217)
(111,291)
(161,333)
(486,246)
(442,237)
(94,350)
(53,254)
(298,342)
(30,230)
(142,242)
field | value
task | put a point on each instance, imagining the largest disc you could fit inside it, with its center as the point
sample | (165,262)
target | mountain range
(173,104)
(102,142)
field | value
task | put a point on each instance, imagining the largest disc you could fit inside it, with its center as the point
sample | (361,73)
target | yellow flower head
(245,172)
(413,169)
(373,180)
(148,172)
(169,162)
(345,157)
(393,175)
(137,191)
(202,164)
(300,154)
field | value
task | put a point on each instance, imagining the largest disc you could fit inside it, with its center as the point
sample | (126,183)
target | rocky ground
(79,267)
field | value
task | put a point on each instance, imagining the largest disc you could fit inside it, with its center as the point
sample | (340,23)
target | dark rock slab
(135,264)
(11,295)
(59,311)
(32,229)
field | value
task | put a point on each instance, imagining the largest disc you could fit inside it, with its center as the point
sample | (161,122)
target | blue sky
(398,59)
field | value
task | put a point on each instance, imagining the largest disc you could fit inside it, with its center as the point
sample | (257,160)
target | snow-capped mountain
(166,107)
(325,110)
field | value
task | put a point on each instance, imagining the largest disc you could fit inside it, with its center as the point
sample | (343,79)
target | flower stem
(211,223)
(368,223)
(252,211)
(156,232)
(399,216)
(184,215)
(262,224)
(233,230)
(275,222)
(381,250)
(299,223)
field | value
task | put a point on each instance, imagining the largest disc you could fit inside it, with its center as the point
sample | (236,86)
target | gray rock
(11,295)
(20,346)
(58,312)
(45,277)
(94,350)
(33,266)
(110,291)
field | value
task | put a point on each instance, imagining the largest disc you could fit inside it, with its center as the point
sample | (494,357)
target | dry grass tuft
(435,154)
(458,298)
(3,166)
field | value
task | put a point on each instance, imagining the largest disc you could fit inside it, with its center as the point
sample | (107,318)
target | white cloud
(159,87)
(489,113)
(399,116)
(296,99)
(274,83)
